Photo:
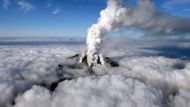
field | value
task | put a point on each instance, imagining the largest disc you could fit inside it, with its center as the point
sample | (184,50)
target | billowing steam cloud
(116,16)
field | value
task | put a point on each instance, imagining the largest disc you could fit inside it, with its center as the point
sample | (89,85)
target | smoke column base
(104,61)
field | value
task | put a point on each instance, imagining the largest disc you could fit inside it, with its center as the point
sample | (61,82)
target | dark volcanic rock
(73,69)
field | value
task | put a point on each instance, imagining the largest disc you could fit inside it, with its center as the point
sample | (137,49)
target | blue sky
(65,17)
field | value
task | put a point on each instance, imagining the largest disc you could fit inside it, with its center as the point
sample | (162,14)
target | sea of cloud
(143,79)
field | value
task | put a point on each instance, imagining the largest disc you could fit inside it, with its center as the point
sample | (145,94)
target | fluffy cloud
(49,4)
(10,89)
(6,3)
(22,67)
(25,6)
(106,91)
(182,99)
(56,10)
(38,96)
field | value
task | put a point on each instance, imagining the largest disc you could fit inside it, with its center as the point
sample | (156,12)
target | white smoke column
(105,24)
(116,16)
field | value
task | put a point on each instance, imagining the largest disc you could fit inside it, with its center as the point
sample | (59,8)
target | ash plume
(116,16)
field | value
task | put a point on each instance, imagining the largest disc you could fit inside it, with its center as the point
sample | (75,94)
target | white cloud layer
(140,81)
